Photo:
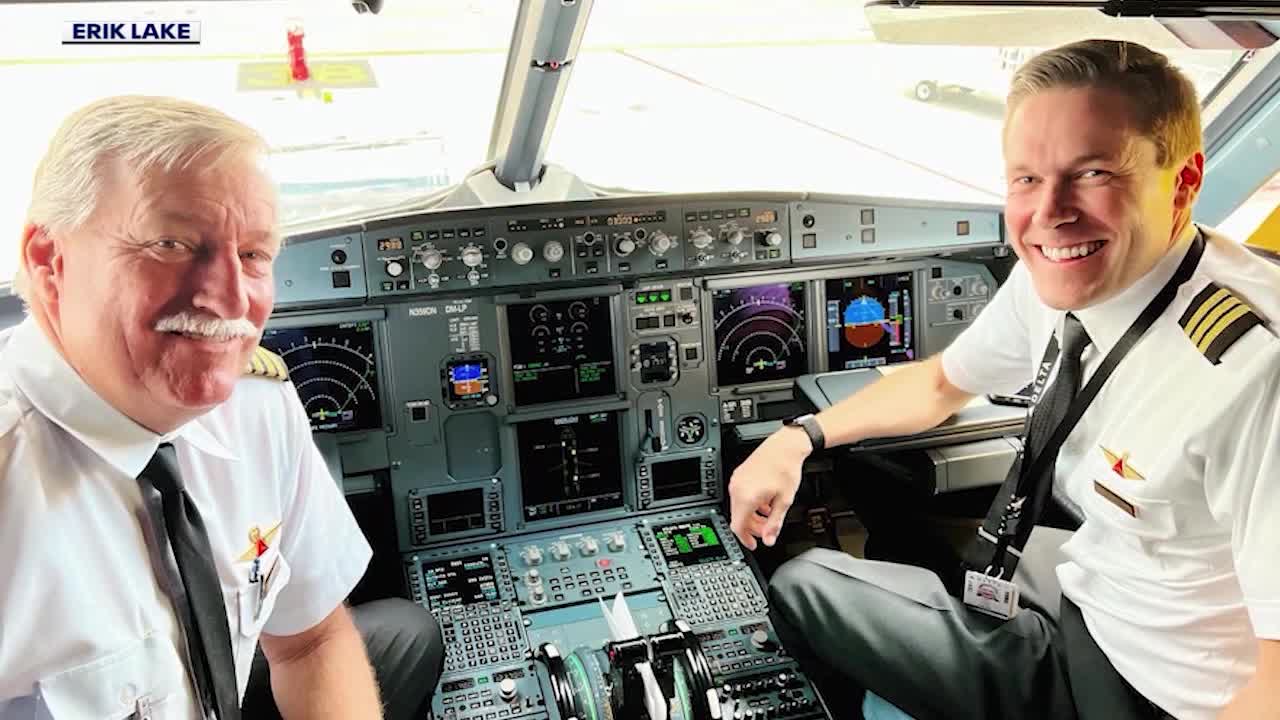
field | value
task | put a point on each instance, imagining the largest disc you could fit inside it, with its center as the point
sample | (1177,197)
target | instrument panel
(515,369)
(543,393)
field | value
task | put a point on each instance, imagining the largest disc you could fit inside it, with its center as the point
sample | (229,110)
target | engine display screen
(570,465)
(460,581)
(869,321)
(457,511)
(334,370)
(760,333)
(561,350)
(689,543)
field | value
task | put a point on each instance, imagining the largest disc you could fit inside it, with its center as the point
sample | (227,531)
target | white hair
(148,134)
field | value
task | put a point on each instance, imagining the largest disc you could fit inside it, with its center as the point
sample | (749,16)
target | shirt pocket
(1142,521)
(250,608)
(148,675)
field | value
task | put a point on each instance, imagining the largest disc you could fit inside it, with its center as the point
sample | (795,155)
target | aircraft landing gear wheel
(926,90)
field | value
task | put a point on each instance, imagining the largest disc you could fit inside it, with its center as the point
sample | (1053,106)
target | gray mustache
(206,326)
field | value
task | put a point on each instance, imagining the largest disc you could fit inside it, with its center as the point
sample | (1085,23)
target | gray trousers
(893,630)
(405,649)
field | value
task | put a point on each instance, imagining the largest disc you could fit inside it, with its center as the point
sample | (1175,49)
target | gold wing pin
(258,542)
(1120,465)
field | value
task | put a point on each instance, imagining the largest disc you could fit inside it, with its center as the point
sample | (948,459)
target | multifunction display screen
(460,581)
(689,543)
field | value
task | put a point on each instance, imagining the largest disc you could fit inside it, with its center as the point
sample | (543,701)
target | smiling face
(160,298)
(1089,210)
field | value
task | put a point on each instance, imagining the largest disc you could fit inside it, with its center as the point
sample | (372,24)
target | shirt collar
(1108,321)
(60,394)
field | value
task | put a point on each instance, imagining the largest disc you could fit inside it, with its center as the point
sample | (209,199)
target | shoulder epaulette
(1215,320)
(267,364)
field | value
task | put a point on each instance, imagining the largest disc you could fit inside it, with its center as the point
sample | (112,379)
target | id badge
(990,595)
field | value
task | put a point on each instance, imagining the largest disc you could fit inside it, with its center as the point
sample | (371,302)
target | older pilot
(160,512)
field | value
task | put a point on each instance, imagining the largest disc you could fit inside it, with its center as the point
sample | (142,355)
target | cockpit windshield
(666,95)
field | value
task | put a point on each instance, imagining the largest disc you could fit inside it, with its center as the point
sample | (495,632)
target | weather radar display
(869,321)
(334,370)
(760,333)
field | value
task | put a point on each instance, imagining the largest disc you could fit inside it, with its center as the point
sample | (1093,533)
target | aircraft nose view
(696,360)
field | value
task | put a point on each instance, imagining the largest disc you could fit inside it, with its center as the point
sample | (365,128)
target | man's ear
(1188,182)
(41,257)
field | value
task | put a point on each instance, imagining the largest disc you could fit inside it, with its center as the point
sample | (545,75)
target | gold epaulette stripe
(1216,319)
(264,363)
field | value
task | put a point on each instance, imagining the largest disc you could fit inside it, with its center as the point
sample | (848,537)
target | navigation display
(561,350)
(570,465)
(460,581)
(334,371)
(760,333)
(689,543)
(869,321)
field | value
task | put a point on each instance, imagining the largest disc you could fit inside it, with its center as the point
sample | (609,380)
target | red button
(603,562)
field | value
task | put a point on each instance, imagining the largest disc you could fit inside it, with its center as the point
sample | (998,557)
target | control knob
(617,541)
(507,689)
(473,277)
(537,594)
(532,556)
(560,550)
(734,237)
(433,259)
(659,243)
(771,238)
(588,546)
(760,641)
(533,577)
(553,251)
(472,256)
(980,288)
(521,253)
(395,268)
(625,246)
(701,239)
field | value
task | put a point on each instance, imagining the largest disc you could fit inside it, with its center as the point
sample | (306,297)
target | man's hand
(764,486)
(323,672)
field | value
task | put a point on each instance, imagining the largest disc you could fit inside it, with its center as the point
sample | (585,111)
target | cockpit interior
(553,268)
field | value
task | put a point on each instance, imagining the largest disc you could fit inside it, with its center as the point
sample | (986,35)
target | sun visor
(1048,23)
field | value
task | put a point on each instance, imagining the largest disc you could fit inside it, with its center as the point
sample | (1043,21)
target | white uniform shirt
(85,628)
(1176,466)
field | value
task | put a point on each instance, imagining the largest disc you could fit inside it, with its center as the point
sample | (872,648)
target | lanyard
(1032,475)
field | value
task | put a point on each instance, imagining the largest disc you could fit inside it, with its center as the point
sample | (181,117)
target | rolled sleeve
(325,549)
(993,355)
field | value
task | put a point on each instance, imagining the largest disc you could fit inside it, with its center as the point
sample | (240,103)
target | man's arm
(1257,699)
(909,401)
(322,672)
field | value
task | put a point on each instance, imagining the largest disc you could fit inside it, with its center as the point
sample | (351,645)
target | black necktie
(203,614)
(1047,415)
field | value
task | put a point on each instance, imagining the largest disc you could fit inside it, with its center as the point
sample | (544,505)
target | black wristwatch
(809,424)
